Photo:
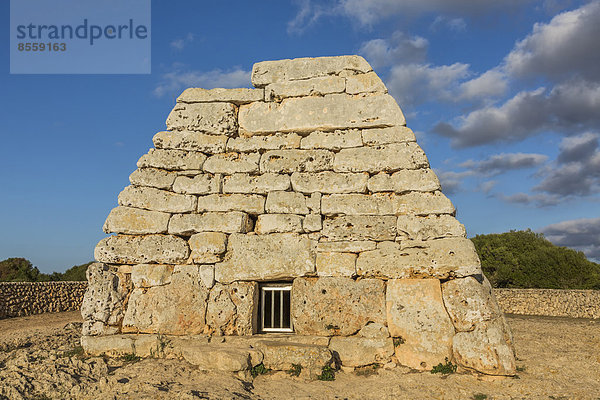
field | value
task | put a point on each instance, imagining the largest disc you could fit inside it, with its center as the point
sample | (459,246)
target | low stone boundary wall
(550,302)
(19,299)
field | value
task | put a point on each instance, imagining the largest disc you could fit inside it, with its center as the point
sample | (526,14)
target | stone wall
(550,302)
(19,299)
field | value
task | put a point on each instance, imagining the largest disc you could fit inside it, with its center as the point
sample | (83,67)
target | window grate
(275,307)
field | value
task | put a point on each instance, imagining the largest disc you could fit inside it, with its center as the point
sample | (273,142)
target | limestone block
(278,141)
(156,200)
(172,160)
(277,223)
(314,202)
(153,177)
(236,96)
(207,275)
(286,203)
(267,72)
(328,113)
(175,309)
(288,161)
(148,275)
(360,227)
(249,203)
(374,330)
(405,180)
(412,227)
(359,351)
(337,306)
(207,247)
(231,310)
(364,83)
(416,313)
(199,184)
(211,118)
(336,264)
(231,163)
(190,140)
(387,158)
(440,258)
(127,249)
(307,87)
(330,182)
(223,358)
(281,355)
(487,349)
(228,222)
(416,203)
(266,257)
(335,140)
(347,246)
(112,345)
(312,223)
(470,302)
(135,221)
(261,184)
(394,134)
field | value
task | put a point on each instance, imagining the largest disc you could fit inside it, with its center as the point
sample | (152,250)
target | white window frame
(275,287)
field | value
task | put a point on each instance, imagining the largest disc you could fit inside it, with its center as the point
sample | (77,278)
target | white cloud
(500,163)
(490,83)
(173,82)
(179,44)
(580,234)
(454,24)
(399,49)
(451,181)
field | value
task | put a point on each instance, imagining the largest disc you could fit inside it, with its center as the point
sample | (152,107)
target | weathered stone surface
(261,184)
(332,140)
(135,221)
(336,264)
(278,223)
(102,306)
(231,163)
(329,306)
(487,349)
(386,158)
(212,118)
(312,223)
(177,308)
(229,222)
(441,258)
(374,330)
(156,200)
(405,180)
(224,358)
(148,275)
(360,227)
(286,203)
(307,87)
(330,182)
(288,161)
(127,249)
(267,72)
(207,275)
(231,310)
(364,83)
(235,96)
(386,204)
(190,140)
(314,203)
(112,345)
(359,351)
(281,355)
(266,257)
(278,141)
(416,313)
(347,246)
(394,134)
(153,177)
(412,227)
(249,203)
(470,302)
(207,248)
(199,184)
(172,160)
(328,113)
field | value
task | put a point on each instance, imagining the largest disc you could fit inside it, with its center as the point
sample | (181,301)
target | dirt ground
(558,358)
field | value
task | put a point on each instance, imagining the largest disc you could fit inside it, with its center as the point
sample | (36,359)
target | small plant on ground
(444,369)
(130,358)
(295,370)
(398,341)
(163,343)
(327,374)
(259,369)
(367,370)
(479,396)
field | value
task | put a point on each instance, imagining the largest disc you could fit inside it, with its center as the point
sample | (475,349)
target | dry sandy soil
(558,358)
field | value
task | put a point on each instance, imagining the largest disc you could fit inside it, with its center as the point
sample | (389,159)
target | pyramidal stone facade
(298,222)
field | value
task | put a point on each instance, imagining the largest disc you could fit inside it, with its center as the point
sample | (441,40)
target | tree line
(22,270)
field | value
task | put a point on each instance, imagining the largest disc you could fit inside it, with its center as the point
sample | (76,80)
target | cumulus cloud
(539,199)
(580,234)
(490,83)
(454,24)
(173,82)
(451,181)
(399,49)
(310,12)
(500,163)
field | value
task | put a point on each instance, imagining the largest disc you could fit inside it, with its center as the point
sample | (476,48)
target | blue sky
(504,99)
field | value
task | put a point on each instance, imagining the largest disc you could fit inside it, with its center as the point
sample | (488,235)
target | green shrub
(327,374)
(444,369)
(296,370)
(258,370)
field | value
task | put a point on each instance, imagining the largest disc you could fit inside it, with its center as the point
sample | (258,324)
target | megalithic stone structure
(302,206)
